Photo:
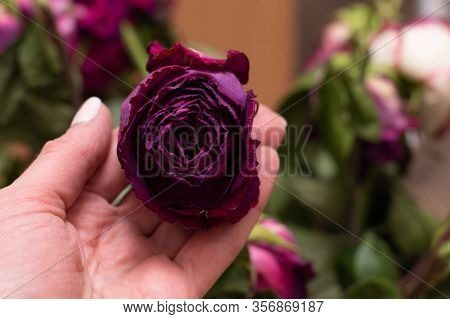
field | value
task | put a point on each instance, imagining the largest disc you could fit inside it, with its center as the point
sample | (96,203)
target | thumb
(64,165)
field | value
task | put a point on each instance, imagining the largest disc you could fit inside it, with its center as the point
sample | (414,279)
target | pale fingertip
(87,111)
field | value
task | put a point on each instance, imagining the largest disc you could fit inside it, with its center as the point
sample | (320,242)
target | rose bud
(10,28)
(184,139)
(393,121)
(276,262)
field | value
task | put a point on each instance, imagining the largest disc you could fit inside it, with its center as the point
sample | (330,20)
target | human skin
(60,237)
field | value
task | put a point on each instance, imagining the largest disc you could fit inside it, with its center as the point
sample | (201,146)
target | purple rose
(184,139)
(10,28)
(279,268)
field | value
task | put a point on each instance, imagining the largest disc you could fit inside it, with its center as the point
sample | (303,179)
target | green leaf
(326,196)
(38,60)
(10,101)
(373,288)
(373,258)
(411,229)
(134,46)
(335,120)
(236,281)
(362,108)
(48,117)
(7,67)
(321,250)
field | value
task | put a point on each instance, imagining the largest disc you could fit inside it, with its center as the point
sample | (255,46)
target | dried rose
(184,139)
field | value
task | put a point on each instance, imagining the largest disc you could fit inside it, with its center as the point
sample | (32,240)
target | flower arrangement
(375,89)
(52,55)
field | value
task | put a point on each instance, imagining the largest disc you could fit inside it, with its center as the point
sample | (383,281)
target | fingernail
(87,111)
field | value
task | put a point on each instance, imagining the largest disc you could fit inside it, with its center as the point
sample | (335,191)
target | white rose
(384,47)
(417,50)
(424,49)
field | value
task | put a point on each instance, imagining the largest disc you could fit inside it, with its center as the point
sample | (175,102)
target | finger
(208,253)
(170,238)
(269,127)
(109,180)
(65,164)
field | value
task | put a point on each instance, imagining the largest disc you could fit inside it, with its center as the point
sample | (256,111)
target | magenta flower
(184,139)
(393,120)
(10,28)
(279,268)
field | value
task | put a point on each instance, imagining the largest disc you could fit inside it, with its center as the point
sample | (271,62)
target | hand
(61,238)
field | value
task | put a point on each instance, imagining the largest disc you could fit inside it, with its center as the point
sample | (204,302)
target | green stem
(124,192)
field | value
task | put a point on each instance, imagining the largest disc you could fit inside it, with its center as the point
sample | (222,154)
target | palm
(93,249)
(123,261)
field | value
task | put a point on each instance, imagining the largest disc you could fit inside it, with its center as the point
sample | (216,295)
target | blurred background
(276,35)
(366,216)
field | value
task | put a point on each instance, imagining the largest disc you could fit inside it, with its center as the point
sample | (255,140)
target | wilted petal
(236,62)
